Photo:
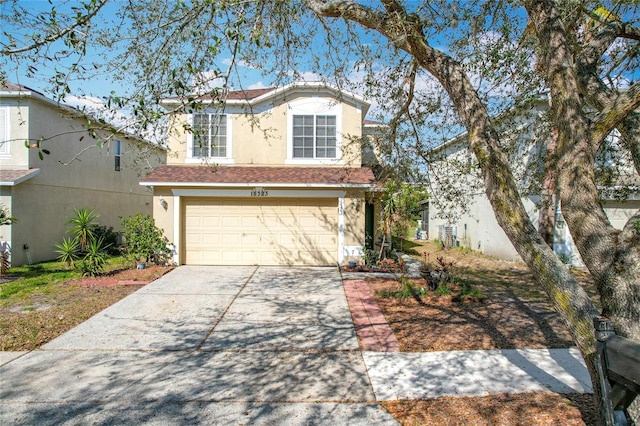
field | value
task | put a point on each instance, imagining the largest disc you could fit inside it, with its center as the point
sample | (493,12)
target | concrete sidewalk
(425,375)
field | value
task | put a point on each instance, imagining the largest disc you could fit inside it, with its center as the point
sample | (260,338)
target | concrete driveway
(210,345)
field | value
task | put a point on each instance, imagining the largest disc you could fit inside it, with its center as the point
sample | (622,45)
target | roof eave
(21,179)
(278,92)
(259,184)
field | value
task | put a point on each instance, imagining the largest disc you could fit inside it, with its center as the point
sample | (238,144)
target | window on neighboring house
(4,132)
(209,135)
(117,154)
(314,136)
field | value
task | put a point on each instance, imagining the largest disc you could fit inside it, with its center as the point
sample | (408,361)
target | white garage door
(238,231)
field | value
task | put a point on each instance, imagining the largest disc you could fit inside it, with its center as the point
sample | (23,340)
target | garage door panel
(260,231)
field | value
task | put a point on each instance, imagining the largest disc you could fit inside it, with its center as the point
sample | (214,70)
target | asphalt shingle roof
(263,175)
(13,176)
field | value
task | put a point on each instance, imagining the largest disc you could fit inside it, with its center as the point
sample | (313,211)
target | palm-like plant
(81,226)
(5,216)
(68,251)
(95,259)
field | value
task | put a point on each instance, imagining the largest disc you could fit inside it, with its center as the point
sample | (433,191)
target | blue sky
(102,86)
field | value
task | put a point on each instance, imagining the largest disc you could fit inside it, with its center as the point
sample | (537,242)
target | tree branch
(615,113)
(79,22)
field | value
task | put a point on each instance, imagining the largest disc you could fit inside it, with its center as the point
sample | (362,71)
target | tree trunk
(548,197)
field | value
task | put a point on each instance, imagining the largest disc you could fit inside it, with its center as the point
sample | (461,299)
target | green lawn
(41,278)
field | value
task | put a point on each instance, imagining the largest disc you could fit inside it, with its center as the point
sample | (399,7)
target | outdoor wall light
(163,203)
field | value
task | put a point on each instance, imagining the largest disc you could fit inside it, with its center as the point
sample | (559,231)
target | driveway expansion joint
(227,309)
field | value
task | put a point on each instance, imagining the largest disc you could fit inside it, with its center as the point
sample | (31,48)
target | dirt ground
(44,316)
(513,314)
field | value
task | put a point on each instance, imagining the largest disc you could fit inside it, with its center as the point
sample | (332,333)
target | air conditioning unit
(447,235)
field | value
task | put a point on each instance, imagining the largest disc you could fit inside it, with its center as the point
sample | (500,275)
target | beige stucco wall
(260,135)
(620,212)
(164,218)
(44,204)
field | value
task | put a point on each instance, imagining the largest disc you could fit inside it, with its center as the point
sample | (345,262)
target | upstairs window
(209,136)
(314,136)
(117,154)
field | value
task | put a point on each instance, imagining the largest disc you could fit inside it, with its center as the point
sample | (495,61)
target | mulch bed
(514,314)
(125,277)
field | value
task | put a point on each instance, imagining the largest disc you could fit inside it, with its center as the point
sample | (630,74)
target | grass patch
(45,301)
(42,278)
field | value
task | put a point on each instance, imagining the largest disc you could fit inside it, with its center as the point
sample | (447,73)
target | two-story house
(460,212)
(43,193)
(275,177)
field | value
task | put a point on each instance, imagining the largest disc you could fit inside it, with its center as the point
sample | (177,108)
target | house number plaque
(259,192)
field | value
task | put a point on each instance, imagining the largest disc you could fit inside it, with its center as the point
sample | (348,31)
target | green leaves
(143,240)
(81,226)
(95,259)
(68,251)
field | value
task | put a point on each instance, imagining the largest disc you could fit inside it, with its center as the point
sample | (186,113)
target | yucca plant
(95,259)
(81,226)
(68,251)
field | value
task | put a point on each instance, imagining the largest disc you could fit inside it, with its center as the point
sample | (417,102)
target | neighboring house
(274,178)
(43,193)
(460,213)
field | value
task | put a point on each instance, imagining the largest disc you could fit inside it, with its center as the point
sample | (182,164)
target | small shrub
(438,274)
(94,260)
(68,251)
(143,240)
(108,236)
(370,257)
(444,289)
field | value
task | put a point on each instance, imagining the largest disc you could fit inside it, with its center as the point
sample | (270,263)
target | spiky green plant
(5,216)
(95,259)
(81,226)
(68,251)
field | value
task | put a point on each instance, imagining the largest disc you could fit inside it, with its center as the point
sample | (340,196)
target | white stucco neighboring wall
(479,230)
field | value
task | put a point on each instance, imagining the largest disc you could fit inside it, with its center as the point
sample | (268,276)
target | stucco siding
(56,203)
(619,212)
(479,229)
(76,174)
(260,136)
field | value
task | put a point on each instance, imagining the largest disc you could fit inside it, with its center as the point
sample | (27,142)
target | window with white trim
(5,144)
(314,126)
(210,136)
(314,136)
